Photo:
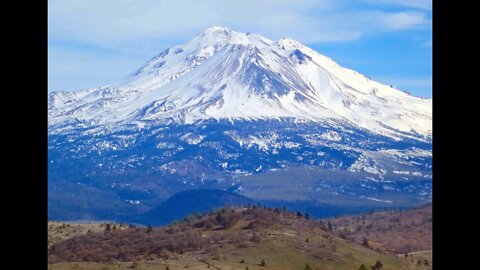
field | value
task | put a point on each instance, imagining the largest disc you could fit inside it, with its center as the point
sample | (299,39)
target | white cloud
(136,24)
(401,20)
(420,4)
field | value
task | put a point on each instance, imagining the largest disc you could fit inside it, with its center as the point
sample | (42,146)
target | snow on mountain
(223,74)
(239,112)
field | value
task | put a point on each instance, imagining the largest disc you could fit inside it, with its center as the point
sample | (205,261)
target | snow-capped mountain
(239,112)
(224,74)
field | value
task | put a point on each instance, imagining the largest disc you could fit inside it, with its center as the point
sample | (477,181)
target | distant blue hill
(185,203)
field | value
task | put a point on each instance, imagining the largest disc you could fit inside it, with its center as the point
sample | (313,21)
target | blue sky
(93,43)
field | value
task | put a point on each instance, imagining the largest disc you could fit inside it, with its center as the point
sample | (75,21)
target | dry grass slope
(59,231)
(392,232)
(231,238)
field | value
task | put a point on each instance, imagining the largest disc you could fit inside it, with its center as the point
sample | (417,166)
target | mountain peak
(216,32)
(214,35)
(216,29)
(218,36)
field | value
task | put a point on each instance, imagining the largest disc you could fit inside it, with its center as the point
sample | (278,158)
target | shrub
(255,237)
(378,265)
(242,261)
(262,263)
(307,267)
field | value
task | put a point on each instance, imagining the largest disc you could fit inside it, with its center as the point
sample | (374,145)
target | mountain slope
(237,111)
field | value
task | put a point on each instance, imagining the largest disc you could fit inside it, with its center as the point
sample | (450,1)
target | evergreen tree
(149,229)
(307,216)
(262,263)
(365,243)
(108,227)
(114,227)
(307,267)
(219,217)
(330,227)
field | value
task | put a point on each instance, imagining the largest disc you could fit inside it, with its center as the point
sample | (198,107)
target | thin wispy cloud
(420,4)
(121,22)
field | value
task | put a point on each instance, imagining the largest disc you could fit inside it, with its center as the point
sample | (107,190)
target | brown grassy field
(227,239)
